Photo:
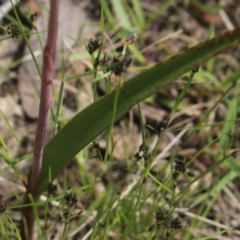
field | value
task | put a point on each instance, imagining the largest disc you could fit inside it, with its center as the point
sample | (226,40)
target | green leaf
(96,118)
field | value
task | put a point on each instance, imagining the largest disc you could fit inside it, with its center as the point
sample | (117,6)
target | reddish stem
(45,105)
(46,93)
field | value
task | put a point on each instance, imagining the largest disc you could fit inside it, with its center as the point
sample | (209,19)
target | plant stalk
(45,105)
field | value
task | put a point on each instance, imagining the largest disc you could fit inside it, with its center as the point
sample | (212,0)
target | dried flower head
(96,146)
(120,64)
(179,167)
(13,31)
(52,189)
(158,127)
(142,152)
(137,156)
(70,199)
(144,148)
(105,60)
(3,208)
(160,216)
(33,17)
(195,70)
(175,223)
(93,45)
(131,38)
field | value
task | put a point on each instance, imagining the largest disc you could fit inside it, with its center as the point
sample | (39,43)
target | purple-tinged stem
(45,105)
(46,93)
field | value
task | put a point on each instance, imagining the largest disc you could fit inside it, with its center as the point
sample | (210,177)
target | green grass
(150,198)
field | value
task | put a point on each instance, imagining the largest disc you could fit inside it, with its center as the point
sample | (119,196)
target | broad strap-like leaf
(96,118)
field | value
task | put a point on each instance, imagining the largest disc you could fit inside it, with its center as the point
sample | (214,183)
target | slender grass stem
(133,212)
(113,119)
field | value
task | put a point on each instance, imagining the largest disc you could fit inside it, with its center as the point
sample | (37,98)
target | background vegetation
(169,168)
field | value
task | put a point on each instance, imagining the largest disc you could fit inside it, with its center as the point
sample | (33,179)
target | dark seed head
(160,215)
(137,156)
(95,145)
(52,189)
(93,45)
(105,60)
(13,31)
(120,64)
(131,38)
(158,127)
(195,70)
(179,165)
(70,199)
(175,223)
(3,208)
